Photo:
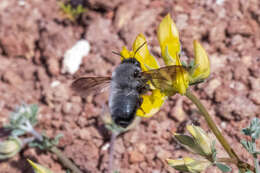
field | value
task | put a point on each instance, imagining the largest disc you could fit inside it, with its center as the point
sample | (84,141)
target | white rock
(73,57)
(55,83)
(220,2)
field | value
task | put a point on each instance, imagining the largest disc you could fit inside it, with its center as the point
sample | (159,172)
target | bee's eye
(136,74)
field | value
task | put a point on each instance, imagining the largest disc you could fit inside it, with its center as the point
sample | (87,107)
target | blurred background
(36,36)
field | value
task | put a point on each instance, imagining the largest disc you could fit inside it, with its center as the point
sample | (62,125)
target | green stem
(65,161)
(216,131)
(227,160)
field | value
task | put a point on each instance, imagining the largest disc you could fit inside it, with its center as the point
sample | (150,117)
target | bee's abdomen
(123,107)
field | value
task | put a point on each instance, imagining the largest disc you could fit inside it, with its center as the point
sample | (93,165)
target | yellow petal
(201,138)
(145,57)
(168,37)
(181,82)
(125,53)
(151,104)
(39,168)
(201,64)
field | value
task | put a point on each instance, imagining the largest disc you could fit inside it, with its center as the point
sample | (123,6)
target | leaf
(17,132)
(254,129)
(223,167)
(246,131)
(213,150)
(34,113)
(248,146)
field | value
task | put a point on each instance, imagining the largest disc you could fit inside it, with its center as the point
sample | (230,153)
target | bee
(127,83)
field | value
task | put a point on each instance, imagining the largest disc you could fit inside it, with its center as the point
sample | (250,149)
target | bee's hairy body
(126,87)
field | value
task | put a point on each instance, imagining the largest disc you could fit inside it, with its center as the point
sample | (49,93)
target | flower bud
(201,139)
(187,164)
(198,143)
(9,148)
(39,168)
(201,68)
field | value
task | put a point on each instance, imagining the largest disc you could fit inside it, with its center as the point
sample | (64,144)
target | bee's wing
(164,77)
(90,85)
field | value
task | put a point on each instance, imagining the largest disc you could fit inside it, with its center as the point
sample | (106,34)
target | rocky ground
(35,34)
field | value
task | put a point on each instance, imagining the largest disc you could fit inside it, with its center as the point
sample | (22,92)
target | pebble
(73,57)
(135,156)
(12,78)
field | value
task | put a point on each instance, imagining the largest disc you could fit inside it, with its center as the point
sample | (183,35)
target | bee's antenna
(116,53)
(139,48)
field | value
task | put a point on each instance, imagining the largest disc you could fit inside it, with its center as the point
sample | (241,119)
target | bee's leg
(144,88)
(140,103)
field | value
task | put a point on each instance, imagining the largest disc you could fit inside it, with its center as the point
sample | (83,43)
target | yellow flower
(153,102)
(187,164)
(168,37)
(39,168)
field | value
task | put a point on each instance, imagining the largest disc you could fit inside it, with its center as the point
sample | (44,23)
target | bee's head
(132,61)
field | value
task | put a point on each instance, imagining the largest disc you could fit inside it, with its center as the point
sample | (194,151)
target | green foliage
(223,167)
(22,119)
(71,12)
(46,143)
(253,130)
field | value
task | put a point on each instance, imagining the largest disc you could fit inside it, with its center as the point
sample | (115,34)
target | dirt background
(35,34)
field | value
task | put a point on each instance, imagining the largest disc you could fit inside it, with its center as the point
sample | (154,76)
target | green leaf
(213,150)
(33,114)
(223,167)
(17,132)
(248,146)
(248,171)
(254,129)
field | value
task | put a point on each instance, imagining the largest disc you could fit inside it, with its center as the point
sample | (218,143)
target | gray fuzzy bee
(127,83)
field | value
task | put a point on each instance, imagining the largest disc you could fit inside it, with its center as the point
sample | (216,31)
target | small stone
(162,154)
(255,83)
(182,21)
(12,78)
(53,66)
(222,93)
(255,97)
(142,147)
(84,134)
(136,156)
(66,107)
(212,86)
(177,111)
(61,93)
